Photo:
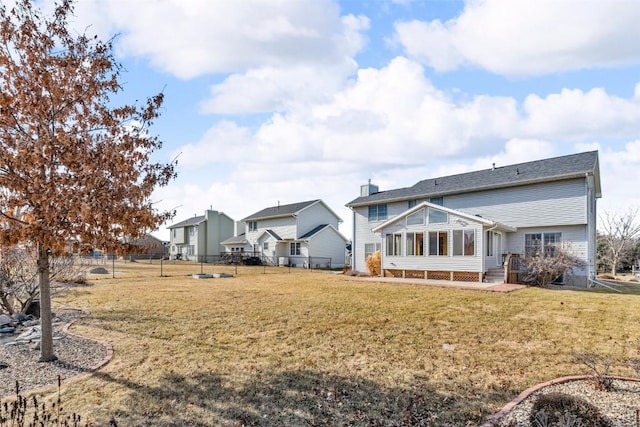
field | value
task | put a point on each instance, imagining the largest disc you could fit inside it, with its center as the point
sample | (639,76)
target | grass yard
(304,348)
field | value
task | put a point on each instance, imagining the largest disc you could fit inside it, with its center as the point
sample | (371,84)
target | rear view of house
(303,234)
(463,227)
(200,238)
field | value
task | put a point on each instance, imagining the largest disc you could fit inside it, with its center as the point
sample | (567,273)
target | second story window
(377,212)
(437,201)
(253,225)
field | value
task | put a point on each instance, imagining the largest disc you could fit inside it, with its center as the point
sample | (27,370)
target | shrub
(599,367)
(374,264)
(544,269)
(559,409)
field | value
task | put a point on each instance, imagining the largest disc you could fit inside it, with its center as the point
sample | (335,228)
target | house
(303,234)
(463,227)
(148,247)
(200,238)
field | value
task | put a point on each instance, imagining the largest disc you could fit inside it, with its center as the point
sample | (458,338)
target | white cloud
(528,37)
(224,142)
(395,116)
(619,171)
(576,114)
(384,114)
(189,38)
(270,89)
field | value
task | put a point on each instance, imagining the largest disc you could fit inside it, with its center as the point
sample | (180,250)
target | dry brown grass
(274,348)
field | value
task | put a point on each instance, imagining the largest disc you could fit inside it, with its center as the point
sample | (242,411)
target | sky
(279,101)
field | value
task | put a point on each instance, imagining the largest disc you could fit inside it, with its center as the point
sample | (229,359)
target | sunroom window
(437,216)
(464,242)
(438,243)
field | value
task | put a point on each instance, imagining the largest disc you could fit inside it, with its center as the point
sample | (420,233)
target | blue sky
(282,101)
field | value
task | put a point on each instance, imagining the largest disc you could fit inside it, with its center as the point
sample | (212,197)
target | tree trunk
(46,340)
(614,264)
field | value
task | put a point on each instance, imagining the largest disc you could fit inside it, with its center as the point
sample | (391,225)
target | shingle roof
(281,210)
(191,221)
(564,167)
(310,233)
(235,240)
(274,234)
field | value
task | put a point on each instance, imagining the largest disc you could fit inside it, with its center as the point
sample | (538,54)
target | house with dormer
(464,226)
(303,234)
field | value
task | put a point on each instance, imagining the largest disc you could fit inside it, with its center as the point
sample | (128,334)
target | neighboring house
(200,238)
(148,247)
(462,227)
(303,234)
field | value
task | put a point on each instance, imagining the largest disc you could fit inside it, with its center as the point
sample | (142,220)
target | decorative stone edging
(107,346)
(522,396)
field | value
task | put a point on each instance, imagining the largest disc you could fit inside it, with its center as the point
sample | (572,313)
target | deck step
(494,275)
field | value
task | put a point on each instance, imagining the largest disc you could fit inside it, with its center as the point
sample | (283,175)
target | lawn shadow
(288,398)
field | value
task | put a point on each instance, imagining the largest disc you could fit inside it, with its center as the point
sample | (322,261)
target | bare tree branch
(618,233)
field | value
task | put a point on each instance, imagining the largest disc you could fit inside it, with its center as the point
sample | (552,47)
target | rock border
(90,370)
(492,422)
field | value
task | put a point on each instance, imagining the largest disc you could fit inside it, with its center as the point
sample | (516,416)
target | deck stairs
(494,275)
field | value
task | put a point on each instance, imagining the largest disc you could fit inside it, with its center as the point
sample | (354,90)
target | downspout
(353,239)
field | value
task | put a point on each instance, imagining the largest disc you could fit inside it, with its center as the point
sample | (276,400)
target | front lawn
(279,348)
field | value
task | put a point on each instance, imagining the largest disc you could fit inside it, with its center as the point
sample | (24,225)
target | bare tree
(19,277)
(72,165)
(544,269)
(619,231)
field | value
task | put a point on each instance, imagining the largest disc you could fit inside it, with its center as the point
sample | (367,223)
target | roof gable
(473,218)
(235,240)
(191,221)
(553,169)
(319,229)
(280,210)
(271,233)
(313,231)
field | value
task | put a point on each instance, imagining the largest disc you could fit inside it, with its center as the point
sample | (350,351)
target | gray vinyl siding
(219,228)
(177,236)
(535,205)
(362,234)
(552,204)
(574,236)
(314,215)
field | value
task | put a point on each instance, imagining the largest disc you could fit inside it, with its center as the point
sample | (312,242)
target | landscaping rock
(99,270)
(562,409)
(3,364)
(32,334)
(5,320)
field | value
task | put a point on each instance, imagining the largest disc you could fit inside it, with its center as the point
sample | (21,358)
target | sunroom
(434,242)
